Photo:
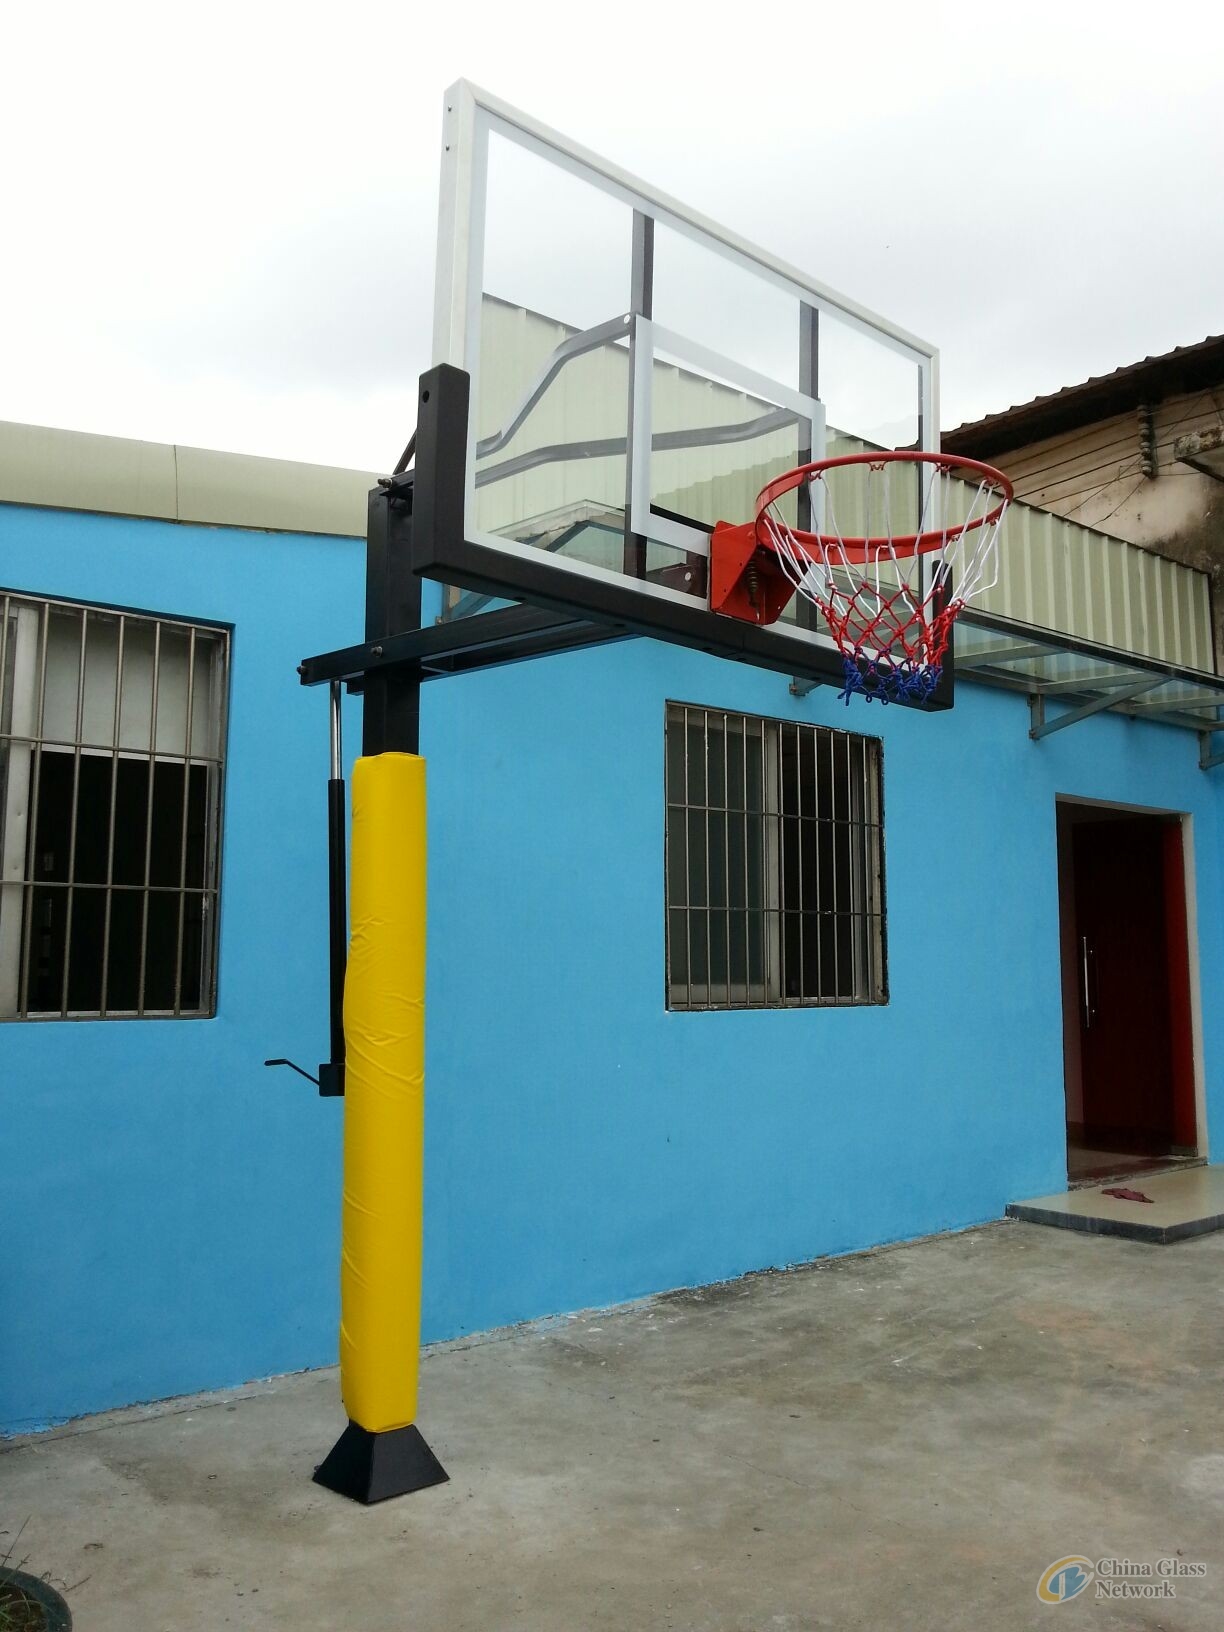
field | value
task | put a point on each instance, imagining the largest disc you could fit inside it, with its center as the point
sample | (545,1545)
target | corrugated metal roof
(1185,368)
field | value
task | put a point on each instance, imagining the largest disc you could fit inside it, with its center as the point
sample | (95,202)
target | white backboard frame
(470,116)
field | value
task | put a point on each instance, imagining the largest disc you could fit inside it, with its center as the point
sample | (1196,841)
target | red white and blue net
(889,596)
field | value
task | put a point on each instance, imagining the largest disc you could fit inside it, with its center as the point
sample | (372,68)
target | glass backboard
(637,373)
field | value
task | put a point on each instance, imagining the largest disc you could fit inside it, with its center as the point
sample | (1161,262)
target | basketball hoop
(888,597)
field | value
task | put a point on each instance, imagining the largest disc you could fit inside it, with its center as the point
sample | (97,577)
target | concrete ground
(903,1439)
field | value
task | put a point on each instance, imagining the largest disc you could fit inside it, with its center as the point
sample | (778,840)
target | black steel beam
(417,529)
(442,550)
(478,567)
(484,640)
(391,717)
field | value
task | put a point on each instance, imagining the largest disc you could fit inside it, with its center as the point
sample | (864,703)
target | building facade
(1135,453)
(607,1116)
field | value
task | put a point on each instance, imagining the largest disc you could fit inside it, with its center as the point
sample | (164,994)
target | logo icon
(1065,1579)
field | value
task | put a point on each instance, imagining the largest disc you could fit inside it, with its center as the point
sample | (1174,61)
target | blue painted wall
(586,1145)
(169,1211)
(170,1221)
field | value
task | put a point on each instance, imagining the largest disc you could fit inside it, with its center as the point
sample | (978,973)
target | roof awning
(1069,680)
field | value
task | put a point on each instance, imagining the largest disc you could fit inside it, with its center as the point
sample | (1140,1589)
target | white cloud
(218,225)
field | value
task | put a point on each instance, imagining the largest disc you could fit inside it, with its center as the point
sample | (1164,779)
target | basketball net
(889,600)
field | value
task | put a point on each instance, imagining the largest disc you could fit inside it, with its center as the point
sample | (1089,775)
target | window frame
(789,923)
(215,765)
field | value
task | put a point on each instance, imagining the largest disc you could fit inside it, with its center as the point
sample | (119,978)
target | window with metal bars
(112,730)
(774,865)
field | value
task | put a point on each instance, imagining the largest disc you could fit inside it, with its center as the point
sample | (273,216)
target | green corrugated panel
(76,470)
(1058,575)
(233,490)
(73,470)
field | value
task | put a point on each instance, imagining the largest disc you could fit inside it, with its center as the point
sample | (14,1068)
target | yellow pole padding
(384,1104)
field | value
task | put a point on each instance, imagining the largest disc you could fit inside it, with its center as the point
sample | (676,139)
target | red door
(1133,983)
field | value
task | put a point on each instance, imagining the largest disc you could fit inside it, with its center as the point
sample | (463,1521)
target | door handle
(1088,995)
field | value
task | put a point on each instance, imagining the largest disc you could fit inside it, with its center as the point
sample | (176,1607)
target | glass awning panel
(1083,679)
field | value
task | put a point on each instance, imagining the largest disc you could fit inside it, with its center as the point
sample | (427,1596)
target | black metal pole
(391,711)
(337,905)
(331,1074)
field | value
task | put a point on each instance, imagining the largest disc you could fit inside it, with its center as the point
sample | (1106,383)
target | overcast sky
(219,221)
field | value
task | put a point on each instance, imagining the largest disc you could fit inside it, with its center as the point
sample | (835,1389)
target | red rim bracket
(746,581)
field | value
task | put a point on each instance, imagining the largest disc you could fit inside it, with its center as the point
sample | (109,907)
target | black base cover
(370,1467)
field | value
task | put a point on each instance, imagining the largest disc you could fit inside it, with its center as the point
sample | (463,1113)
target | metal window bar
(148,855)
(771,863)
(32,818)
(73,819)
(818,915)
(85,967)
(110,827)
(182,890)
(838,880)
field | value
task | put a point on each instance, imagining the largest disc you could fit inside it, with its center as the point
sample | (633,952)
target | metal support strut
(1041,727)
(330,1080)
(331,1073)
